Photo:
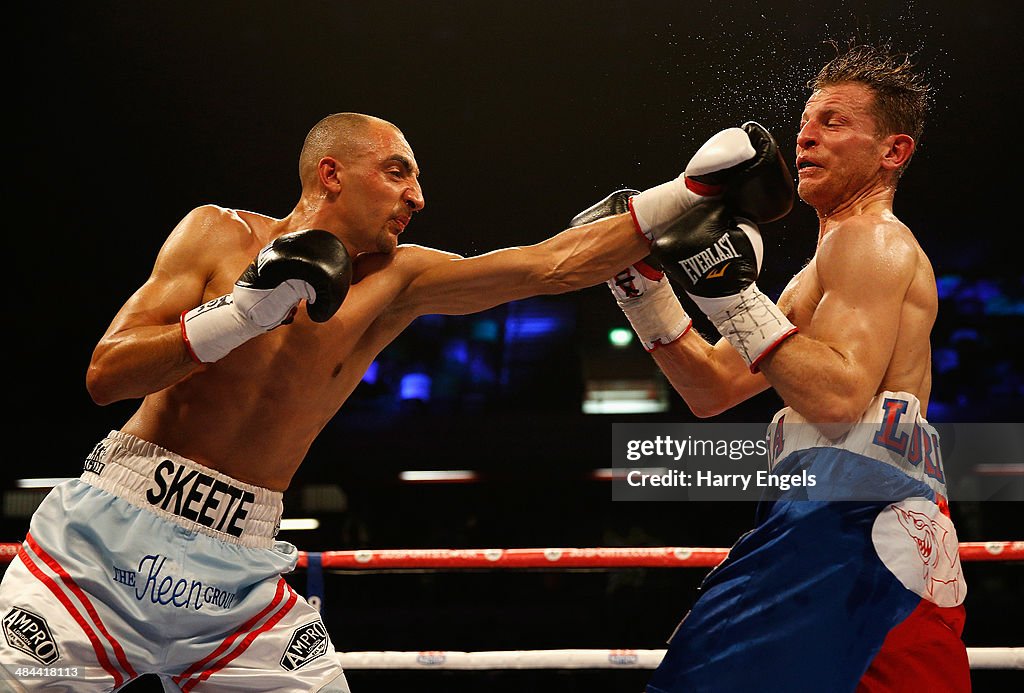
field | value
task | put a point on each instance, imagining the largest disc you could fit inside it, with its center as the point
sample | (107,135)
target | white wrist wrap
(218,326)
(751,322)
(213,329)
(657,316)
(655,209)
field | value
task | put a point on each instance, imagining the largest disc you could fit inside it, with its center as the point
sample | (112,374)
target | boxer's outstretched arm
(573,259)
(831,370)
(142,350)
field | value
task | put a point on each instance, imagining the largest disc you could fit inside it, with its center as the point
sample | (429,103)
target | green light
(620,337)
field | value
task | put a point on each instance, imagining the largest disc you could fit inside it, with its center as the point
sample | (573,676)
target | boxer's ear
(897,152)
(330,171)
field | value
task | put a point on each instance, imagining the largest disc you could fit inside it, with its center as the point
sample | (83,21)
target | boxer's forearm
(587,255)
(709,378)
(570,260)
(137,362)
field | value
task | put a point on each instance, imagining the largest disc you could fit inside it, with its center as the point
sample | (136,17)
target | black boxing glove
(616,203)
(641,290)
(716,257)
(760,187)
(742,164)
(310,265)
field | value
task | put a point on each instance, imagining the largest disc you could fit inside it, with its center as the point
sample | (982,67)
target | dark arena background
(124,116)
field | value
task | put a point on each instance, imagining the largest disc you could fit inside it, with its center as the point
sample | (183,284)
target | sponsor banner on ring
(886,461)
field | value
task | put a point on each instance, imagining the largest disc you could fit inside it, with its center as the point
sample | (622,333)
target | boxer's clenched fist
(310,265)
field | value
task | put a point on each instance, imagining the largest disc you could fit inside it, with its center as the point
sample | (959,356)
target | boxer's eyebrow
(404,163)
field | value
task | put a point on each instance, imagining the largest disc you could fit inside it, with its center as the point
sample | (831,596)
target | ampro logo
(307,643)
(29,633)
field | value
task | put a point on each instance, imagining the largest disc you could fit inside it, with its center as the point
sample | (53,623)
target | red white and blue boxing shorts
(853,584)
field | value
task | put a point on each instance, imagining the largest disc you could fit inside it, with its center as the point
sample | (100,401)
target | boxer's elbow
(100,384)
(706,410)
(833,416)
(103,379)
(848,406)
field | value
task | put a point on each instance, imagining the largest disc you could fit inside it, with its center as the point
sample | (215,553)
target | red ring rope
(607,557)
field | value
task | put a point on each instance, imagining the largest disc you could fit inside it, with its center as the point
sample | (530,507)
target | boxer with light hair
(855,584)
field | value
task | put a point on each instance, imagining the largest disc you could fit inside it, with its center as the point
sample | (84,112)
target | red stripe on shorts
(89,608)
(271,622)
(51,584)
(230,640)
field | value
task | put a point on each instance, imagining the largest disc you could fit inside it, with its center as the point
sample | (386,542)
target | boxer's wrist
(656,316)
(211,331)
(655,209)
(750,321)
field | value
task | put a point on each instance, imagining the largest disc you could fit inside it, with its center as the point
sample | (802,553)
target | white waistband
(184,492)
(891,430)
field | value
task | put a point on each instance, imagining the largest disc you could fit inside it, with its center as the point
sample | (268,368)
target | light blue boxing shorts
(152,563)
(850,584)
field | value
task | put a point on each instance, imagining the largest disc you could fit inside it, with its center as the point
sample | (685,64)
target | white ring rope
(455,559)
(979,657)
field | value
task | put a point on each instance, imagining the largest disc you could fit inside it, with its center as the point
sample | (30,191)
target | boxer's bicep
(452,285)
(142,350)
(858,316)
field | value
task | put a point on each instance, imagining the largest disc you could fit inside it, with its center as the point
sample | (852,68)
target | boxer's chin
(387,242)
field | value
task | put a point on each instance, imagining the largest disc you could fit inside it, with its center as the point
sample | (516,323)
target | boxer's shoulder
(869,230)
(389,276)
(866,240)
(215,229)
(212,244)
(404,263)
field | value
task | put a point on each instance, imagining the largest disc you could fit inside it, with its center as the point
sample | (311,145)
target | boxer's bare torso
(254,414)
(879,238)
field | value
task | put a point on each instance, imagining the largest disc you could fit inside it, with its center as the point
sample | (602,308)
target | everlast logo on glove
(704,261)
(200,498)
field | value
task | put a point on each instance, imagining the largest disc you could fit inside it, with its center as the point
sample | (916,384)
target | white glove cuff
(751,322)
(655,209)
(657,316)
(213,329)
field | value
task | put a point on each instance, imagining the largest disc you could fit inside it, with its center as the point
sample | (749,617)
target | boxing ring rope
(979,658)
(562,559)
